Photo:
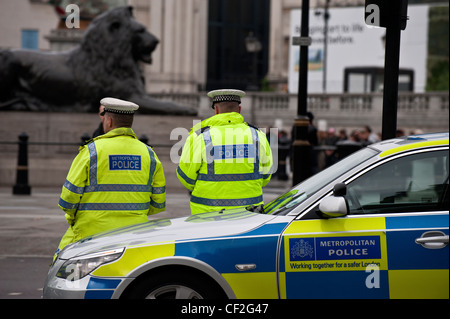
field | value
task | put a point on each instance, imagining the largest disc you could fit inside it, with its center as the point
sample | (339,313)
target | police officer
(225,162)
(114,181)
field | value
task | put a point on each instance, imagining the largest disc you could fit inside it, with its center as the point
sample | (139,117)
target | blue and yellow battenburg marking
(254,247)
(415,271)
(330,258)
(257,246)
(101,288)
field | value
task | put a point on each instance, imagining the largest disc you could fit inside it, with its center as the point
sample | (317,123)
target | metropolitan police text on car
(344,244)
(330,248)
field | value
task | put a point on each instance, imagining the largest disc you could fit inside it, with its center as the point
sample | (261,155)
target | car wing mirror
(335,205)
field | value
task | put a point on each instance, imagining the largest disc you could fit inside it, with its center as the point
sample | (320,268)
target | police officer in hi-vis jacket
(225,162)
(114,181)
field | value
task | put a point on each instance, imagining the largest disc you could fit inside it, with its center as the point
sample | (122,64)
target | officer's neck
(109,129)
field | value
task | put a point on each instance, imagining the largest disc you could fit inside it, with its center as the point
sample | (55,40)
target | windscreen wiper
(256,209)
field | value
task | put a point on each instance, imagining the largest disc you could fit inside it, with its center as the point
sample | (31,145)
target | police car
(374,225)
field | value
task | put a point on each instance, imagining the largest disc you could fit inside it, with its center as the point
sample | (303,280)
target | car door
(334,258)
(411,192)
(392,244)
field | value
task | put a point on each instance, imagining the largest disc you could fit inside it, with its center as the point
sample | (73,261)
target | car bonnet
(214,225)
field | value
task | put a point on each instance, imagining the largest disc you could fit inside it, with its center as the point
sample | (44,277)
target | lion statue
(106,63)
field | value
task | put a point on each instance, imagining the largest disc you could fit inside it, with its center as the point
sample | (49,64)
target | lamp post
(391,71)
(391,15)
(326,17)
(301,147)
(253,45)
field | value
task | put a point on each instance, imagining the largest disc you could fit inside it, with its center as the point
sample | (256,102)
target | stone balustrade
(426,111)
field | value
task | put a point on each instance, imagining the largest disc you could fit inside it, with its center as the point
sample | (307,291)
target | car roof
(400,144)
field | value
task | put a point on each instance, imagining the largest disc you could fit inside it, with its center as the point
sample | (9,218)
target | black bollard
(22,187)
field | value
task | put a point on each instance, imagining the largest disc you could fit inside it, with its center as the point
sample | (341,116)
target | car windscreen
(283,204)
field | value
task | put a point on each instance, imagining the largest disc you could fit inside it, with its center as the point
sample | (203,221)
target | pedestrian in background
(330,142)
(366,137)
(284,146)
(99,131)
(313,140)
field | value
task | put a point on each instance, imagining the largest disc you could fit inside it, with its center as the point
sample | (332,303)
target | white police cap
(226,95)
(114,105)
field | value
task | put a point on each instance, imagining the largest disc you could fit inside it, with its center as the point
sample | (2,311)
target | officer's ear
(107,122)
(110,120)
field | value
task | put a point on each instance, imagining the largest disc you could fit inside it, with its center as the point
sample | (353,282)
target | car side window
(412,183)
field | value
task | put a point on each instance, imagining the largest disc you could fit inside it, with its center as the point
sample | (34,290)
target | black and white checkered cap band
(226,98)
(118,111)
(226,95)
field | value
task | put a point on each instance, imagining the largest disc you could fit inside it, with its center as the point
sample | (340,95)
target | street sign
(301,41)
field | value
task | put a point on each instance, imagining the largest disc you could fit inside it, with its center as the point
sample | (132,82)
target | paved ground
(32,225)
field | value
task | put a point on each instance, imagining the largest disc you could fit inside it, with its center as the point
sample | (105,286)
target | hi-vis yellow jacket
(114,181)
(225,162)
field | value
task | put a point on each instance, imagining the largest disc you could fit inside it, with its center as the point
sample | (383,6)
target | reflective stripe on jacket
(225,162)
(114,181)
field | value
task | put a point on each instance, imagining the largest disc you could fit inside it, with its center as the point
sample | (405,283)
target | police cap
(118,106)
(226,95)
